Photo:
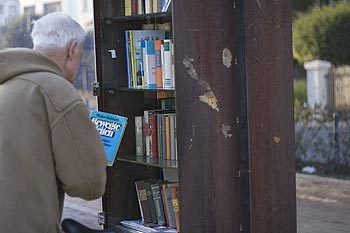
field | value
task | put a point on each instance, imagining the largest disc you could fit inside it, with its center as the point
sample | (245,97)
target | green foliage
(300,94)
(323,33)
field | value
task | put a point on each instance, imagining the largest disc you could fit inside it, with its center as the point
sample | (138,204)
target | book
(166,5)
(111,128)
(127,7)
(139,135)
(167,65)
(168,205)
(143,202)
(147,185)
(172,118)
(158,203)
(148,6)
(140,7)
(150,64)
(137,43)
(151,130)
(139,226)
(158,55)
(128,58)
(134,7)
(175,201)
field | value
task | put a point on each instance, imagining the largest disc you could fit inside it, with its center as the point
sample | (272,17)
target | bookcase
(234,113)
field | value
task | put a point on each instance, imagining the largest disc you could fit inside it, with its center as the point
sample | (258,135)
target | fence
(323,131)
(339,88)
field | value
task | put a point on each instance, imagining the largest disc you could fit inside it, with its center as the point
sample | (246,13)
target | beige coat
(48,144)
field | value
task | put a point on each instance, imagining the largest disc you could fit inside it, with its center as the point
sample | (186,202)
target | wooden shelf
(149,161)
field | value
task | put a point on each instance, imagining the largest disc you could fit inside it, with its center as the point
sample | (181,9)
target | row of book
(149,59)
(159,203)
(138,7)
(155,134)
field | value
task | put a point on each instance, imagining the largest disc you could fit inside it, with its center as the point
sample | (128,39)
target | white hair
(56,30)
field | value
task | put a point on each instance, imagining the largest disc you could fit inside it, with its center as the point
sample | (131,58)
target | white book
(140,7)
(148,6)
(167,64)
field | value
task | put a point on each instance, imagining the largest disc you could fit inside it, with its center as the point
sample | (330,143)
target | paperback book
(111,128)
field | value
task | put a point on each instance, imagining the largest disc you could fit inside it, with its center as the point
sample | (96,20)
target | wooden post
(235,126)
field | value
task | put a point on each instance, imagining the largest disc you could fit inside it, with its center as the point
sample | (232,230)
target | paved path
(323,206)
(83,211)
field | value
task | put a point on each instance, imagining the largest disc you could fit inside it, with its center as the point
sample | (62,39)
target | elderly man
(48,145)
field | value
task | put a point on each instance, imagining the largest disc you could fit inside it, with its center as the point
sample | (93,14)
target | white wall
(10,10)
(75,8)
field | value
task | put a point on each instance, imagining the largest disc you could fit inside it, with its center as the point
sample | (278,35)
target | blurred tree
(306,5)
(323,33)
(18,32)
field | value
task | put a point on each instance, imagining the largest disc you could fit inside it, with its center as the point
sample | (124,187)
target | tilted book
(143,202)
(111,128)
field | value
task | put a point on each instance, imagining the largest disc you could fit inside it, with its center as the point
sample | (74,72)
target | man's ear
(72,49)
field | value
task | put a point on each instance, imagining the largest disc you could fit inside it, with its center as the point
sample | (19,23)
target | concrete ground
(323,206)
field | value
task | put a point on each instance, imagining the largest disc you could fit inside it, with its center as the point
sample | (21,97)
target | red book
(154,135)
(134,7)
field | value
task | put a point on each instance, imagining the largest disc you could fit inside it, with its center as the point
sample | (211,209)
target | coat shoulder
(60,92)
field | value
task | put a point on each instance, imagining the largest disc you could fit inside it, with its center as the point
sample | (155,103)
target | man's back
(48,145)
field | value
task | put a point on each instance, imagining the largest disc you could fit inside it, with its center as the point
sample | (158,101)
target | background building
(9,9)
(81,10)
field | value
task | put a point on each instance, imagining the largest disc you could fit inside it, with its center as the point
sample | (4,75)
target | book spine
(139,135)
(148,6)
(134,7)
(151,64)
(143,202)
(128,56)
(142,58)
(158,203)
(167,138)
(176,206)
(127,7)
(167,65)
(132,51)
(155,6)
(140,7)
(158,55)
(147,133)
(172,65)
(154,135)
(160,135)
(172,222)
(164,136)
(165,204)
(151,202)
(172,137)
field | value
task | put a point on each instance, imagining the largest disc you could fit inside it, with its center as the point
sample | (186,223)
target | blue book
(128,57)
(150,65)
(111,128)
(138,38)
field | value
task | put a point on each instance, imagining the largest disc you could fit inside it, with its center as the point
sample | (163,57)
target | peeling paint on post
(208,97)
(225,129)
(227,58)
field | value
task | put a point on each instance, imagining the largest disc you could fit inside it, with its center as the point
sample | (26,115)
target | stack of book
(149,59)
(159,203)
(155,134)
(138,7)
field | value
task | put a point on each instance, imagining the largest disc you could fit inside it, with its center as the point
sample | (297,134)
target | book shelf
(233,66)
